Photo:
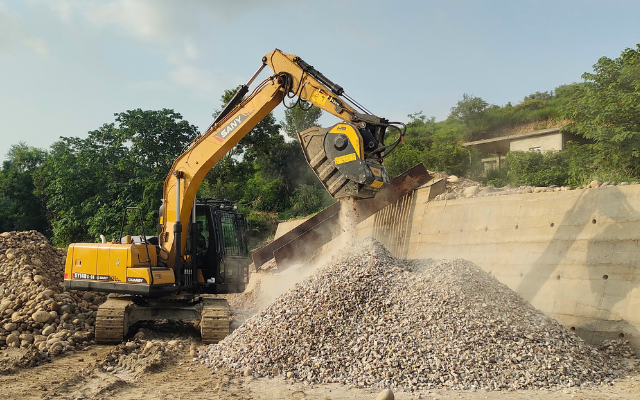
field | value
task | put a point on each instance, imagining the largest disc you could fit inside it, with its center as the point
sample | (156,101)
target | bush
(601,161)
(496,177)
(533,168)
(447,153)
(307,200)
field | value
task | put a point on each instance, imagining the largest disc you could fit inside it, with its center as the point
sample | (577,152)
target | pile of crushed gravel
(368,319)
(36,312)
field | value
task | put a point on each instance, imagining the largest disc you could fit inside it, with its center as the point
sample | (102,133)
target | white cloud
(36,44)
(13,33)
(169,26)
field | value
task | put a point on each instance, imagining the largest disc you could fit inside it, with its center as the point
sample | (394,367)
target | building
(541,140)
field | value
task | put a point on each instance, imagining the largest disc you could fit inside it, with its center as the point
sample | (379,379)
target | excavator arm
(346,157)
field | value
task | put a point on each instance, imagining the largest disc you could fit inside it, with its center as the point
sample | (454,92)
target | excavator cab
(218,244)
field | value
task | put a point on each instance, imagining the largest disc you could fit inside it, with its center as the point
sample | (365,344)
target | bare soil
(79,375)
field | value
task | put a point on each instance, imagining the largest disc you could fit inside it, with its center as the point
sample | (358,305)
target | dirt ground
(79,376)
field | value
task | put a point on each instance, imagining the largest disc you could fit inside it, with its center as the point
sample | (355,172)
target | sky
(66,66)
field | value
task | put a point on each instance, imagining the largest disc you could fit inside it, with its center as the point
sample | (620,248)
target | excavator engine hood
(337,156)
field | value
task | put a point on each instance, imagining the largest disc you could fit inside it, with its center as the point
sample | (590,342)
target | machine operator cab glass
(222,255)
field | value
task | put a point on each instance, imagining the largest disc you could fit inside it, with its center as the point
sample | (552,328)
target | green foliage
(87,183)
(606,106)
(469,109)
(539,96)
(578,165)
(533,104)
(20,208)
(297,119)
(533,168)
(446,153)
(437,145)
(496,177)
(602,161)
(307,200)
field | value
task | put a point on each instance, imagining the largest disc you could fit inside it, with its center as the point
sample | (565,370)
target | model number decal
(82,275)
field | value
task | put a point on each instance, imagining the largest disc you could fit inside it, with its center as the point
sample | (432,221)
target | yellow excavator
(177,274)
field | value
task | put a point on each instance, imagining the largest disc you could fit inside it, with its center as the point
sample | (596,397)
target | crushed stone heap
(36,312)
(368,319)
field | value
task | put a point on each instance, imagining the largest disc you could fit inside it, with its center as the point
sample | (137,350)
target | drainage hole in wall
(621,335)
(558,277)
(593,221)
(485,228)
(573,328)
(521,275)
(516,226)
(551,225)
(460,230)
(605,277)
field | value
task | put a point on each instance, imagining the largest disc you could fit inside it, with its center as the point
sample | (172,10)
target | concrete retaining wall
(573,255)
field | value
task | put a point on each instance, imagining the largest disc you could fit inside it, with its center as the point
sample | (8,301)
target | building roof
(501,144)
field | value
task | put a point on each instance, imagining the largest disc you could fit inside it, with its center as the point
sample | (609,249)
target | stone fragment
(39,279)
(10,326)
(386,394)
(471,191)
(67,309)
(13,340)
(41,317)
(453,179)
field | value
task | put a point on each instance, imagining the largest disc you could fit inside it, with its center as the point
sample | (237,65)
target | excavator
(178,274)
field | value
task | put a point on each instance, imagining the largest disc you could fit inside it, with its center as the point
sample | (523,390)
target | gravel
(36,311)
(367,319)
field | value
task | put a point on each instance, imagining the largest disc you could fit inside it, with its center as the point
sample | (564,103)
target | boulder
(386,394)
(471,191)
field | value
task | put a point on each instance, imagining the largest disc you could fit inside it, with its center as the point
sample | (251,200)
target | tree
(20,208)
(469,109)
(297,119)
(606,106)
(539,96)
(87,183)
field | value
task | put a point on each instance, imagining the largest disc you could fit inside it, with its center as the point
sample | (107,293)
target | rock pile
(144,356)
(617,348)
(368,319)
(463,187)
(35,310)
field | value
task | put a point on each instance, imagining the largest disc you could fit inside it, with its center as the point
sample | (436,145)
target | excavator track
(214,323)
(112,322)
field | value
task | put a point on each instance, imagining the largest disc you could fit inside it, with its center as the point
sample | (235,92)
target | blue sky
(66,66)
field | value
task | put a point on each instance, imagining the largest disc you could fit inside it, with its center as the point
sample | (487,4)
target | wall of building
(573,255)
(545,142)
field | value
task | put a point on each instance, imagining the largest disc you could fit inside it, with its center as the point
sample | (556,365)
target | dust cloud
(345,235)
